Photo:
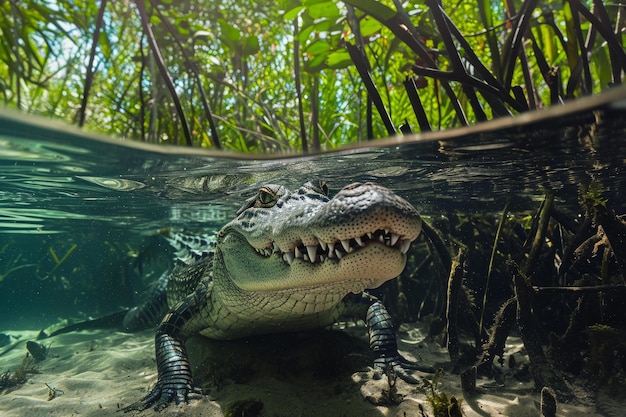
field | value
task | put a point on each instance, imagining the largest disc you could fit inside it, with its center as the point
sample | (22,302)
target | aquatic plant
(20,375)
(11,267)
(58,262)
(442,404)
(592,196)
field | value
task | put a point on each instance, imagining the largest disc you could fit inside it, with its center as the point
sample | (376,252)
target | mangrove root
(452,309)
(542,371)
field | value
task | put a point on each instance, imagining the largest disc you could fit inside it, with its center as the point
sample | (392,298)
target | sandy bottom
(325,373)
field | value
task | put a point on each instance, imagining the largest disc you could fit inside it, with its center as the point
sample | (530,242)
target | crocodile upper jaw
(360,236)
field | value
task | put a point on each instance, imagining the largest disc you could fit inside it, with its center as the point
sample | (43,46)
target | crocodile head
(303,242)
(289,257)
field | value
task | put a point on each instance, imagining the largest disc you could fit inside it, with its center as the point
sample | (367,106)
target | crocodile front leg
(175,382)
(382,336)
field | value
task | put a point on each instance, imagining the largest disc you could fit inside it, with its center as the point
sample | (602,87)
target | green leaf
(304,34)
(309,3)
(373,8)
(293,13)
(328,10)
(338,59)
(316,63)
(230,34)
(105,46)
(250,45)
(369,26)
(323,25)
(318,47)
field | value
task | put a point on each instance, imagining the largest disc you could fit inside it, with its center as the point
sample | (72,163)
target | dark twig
(90,68)
(17,21)
(194,72)
(359,61)
(514,42)
(616,50)
(296,71)
(416,103)
(167,79)
(489,86)
(355,27)
(401,26)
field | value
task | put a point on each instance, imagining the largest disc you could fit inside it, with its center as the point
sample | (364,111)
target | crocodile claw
(164,393)
(401,366)
(174,383)
(383,344)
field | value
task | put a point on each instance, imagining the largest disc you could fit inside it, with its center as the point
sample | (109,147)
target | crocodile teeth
(321,251)
(288,257)
(312,252)
(404,246)
(331,247)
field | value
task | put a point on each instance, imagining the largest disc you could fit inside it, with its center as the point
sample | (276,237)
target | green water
(78,213)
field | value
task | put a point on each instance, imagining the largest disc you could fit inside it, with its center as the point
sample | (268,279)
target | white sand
(101,371)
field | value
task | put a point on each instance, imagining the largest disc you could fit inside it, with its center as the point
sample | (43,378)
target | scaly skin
(285,263)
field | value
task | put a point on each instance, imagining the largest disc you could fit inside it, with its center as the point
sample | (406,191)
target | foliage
(261,77)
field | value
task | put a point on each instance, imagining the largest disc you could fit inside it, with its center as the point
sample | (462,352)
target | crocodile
(284,264)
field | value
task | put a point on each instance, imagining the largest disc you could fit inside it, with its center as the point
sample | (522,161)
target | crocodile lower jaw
(376,263)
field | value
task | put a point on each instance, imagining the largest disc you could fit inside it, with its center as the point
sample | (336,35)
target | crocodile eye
(266,198)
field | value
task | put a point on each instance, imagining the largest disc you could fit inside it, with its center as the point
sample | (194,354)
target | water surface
(76,209)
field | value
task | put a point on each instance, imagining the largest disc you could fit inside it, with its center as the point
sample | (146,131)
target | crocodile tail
(150,312)
(190,249)
(184,279)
